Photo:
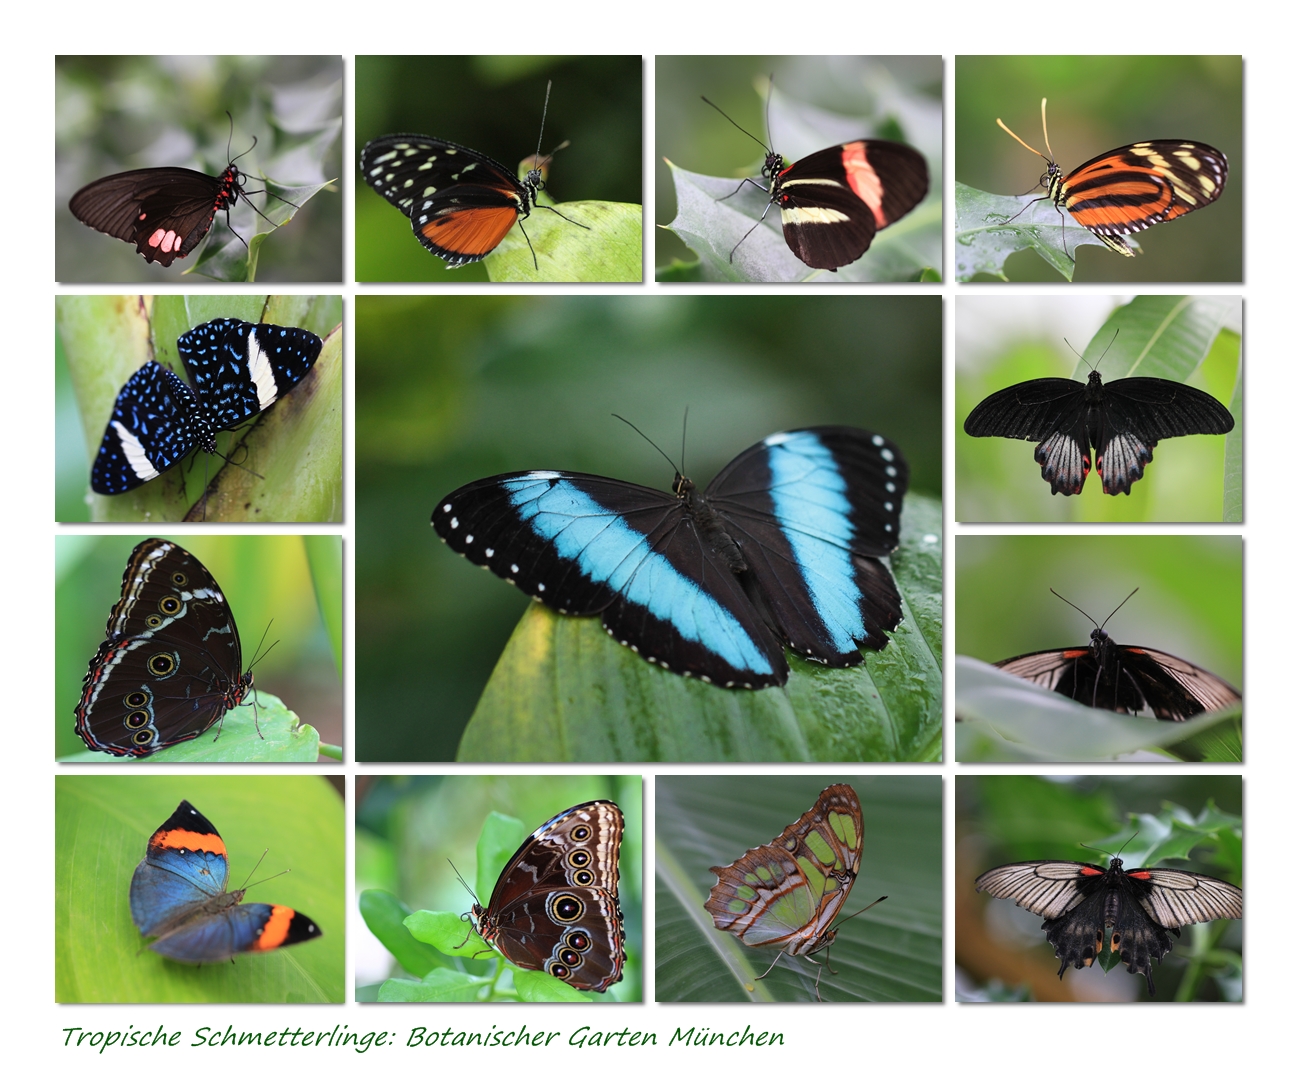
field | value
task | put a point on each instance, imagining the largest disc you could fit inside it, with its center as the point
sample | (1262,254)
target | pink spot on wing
(864,181)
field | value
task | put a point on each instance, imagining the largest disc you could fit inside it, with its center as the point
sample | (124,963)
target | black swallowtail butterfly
(1141,906)
(1121,420)
(1110,676)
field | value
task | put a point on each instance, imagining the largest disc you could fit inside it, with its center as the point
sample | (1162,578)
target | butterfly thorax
(230,192)
(710,526)
(195,422)
(1053,182)
(770,171)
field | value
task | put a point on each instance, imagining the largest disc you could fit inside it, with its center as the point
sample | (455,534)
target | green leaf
(236,739)
(987,233)
(439,985)
(610,248)
(541,987)
(564,690)
(102,825)
(385,915)
(447,932)
(290,459)
(1003,718)
(891,953)
(226,256)
(712,226)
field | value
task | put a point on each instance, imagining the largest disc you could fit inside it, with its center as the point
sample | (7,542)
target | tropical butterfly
(1110,676)
(1141,906)
(834,201)
(461,203)
(555,907)
(179,895)
(169,668)
(787,893)
(783,547)
(1132,188)
(238,370)
(164,210)
(1121,420)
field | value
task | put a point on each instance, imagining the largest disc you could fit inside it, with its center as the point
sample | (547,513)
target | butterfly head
(682,486)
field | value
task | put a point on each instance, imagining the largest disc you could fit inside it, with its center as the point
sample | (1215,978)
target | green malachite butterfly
(787,893)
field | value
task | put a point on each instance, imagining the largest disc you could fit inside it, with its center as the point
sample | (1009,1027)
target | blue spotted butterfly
(238,370)
(782,549)
(179,894)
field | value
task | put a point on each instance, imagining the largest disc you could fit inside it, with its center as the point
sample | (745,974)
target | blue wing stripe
(607,550)
(806,483)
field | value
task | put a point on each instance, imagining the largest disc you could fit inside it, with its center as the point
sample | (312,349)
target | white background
(1261,1029)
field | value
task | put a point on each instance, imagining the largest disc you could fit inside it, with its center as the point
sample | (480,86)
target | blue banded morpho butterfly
(783,548)
(834,201)
(461,203)
(179,895)
(1129,189)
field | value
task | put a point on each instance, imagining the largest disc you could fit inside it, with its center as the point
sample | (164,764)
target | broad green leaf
(564,690)
(447,932)
(712,225)
(385,915)
(1155,336)
(102,825)
(283,738)
(609,248)
(231,253)
(891,953)
(288,461)
(541,987)
(1003,718)
(439,985)
(987,233)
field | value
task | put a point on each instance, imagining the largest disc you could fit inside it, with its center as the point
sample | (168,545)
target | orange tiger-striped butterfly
(1129,189)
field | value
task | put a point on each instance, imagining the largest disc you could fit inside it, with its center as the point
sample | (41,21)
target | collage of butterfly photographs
(888,652)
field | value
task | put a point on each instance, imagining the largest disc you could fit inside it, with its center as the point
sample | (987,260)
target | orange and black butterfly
(1129,189)
(461,203)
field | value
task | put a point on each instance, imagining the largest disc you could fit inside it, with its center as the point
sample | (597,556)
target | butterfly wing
(185,866)
(832,202)
(1051,410)
(1138,412)
(236,929)
(170,665)
(1174,688)
(241,368)
(150,429)
(591,545)
(1175,897)
(461,203)
(787,893)
(165,211)
(813,511)
(1141,185)
(556,907)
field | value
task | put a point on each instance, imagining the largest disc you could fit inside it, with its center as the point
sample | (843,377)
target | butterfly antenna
(548,91)
(1046,139)
(1080,609)
(257,656)
(684,436)
(736,125)
(858,913)
(1089,365)
(770,91)
(1117,609)
(646,437)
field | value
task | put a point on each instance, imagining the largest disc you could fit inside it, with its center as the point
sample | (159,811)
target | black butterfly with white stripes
(1121,420)
(1141,906)
(237,369)
(783,548)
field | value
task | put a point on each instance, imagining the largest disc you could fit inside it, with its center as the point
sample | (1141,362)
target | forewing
(591,545)
(1175,897)
(148,431)
(1048,889)
(165,211)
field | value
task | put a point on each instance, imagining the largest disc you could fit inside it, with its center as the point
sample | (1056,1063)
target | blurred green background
(1189,603)
(1000,343)
(264,578)
(409,829)
(1096,104)
(891,953)
(696,137)
(494,105)
(453,389)
(116,113)
(1002,819)
(102,826)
